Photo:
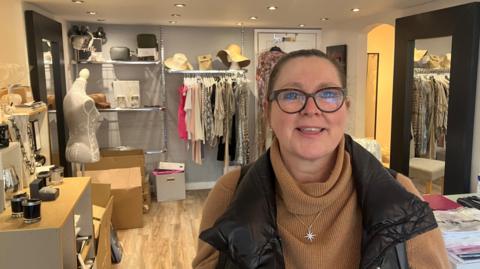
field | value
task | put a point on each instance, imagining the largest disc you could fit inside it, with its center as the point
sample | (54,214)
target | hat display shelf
(236,49)
(158,107)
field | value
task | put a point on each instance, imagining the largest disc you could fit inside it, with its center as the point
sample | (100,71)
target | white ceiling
(224,13)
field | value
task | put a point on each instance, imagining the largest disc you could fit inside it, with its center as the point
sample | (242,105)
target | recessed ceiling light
(78,1)
(355,9)
(91,12)
(172,22)
(272,8)
(180,5)
(324,19)
(100,19)
(176,15)
(254,18)
(239,23)
(301,25)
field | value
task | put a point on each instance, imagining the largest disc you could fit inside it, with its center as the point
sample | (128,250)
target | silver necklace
(29,162)
(309,235)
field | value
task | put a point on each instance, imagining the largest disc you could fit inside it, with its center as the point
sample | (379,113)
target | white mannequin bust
(82,118)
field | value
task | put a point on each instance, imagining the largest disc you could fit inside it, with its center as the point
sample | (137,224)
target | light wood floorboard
(168,239)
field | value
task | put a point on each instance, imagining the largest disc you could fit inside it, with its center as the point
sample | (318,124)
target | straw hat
(178,62)
(418,54)
(233,53)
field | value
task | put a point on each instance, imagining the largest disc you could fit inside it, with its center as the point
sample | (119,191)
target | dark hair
(301,53)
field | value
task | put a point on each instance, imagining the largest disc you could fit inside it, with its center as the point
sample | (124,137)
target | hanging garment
(243,142)
(266,62)
(219,110)
(429,113)
(182,126)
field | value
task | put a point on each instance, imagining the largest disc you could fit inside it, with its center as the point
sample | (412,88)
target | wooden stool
(428,170)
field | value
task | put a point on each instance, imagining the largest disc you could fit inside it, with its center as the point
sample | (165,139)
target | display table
(453,263)
(50,243)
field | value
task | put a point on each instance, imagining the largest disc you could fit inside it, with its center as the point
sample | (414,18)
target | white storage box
(170,187)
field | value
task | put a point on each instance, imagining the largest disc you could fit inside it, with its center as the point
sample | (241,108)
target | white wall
(354,34)
(145,130)
(13,49)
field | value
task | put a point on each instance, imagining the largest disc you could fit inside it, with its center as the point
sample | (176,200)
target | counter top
(53,213)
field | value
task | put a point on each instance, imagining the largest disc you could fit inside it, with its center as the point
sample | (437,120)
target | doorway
(379,86)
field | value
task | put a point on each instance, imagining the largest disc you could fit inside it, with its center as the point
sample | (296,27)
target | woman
(316,199)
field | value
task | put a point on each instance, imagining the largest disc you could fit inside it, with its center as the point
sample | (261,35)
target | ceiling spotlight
(180,5)
(172,22)
(301,25)
(175,15)
(91,12)
(240,23)
(100,19)
(78,1)
(355,9)
(272,8)
(254,18)
(324,19)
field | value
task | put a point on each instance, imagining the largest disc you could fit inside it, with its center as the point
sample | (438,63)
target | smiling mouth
(311,130)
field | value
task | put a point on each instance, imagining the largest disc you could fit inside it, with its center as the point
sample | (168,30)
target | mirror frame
(463,24)
(38,27)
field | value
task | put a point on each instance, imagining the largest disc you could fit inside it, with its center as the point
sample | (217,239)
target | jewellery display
(309,235)
(29,161)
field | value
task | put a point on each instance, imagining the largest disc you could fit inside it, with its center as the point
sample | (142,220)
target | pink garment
(182,127)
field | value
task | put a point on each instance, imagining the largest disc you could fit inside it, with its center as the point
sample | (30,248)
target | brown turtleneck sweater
(337,228)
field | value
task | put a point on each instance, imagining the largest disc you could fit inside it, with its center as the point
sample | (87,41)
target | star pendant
(310,235)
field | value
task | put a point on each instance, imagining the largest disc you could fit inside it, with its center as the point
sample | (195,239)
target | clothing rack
(440,71)
(241,71)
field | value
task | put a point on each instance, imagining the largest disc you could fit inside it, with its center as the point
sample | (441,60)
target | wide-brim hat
(178,62)
(233,53)
(418,54)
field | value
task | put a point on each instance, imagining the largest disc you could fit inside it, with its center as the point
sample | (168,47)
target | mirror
(371,93)
(47,78)
(49,85)
(429,112)
(422,31)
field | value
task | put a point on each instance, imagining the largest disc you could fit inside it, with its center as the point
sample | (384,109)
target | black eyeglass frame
(274,97)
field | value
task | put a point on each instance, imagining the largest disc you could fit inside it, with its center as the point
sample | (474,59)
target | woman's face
(309,134)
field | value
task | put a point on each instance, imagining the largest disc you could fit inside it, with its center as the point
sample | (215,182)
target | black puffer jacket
(247,236)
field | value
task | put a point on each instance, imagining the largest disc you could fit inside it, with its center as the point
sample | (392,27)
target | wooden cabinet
(50,243)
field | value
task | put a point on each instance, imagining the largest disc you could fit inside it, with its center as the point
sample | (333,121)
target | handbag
(120,54)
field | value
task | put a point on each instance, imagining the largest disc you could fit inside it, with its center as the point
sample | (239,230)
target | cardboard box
(121,157)
(170,187)
(126,184)
(102,215)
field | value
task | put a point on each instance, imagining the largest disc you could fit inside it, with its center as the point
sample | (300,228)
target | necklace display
(309,235)
(29,162)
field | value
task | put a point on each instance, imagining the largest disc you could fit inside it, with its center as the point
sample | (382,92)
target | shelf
(28,111)
(142,109)
(153,152)
(241,71)
(120,62)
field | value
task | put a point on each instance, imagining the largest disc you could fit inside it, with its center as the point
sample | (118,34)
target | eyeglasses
(291,101)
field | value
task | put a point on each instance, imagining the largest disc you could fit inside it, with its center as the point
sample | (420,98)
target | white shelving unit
(77,65)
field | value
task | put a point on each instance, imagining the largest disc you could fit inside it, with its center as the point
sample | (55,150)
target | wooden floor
(168,239)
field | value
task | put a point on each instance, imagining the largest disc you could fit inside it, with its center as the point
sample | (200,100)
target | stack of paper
(461,232)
